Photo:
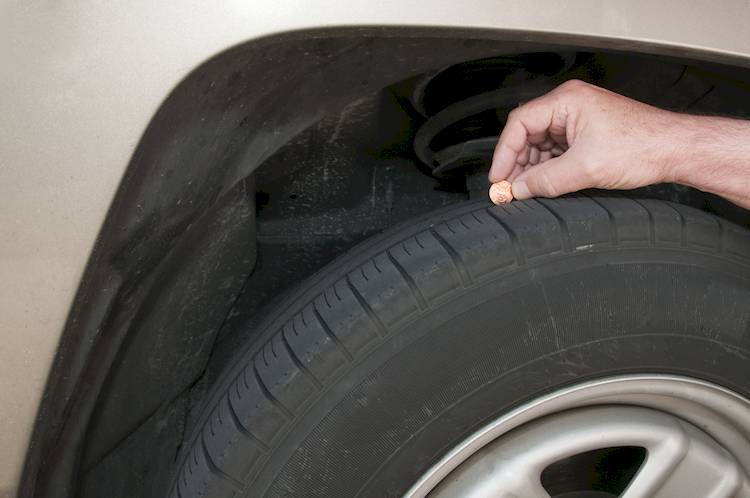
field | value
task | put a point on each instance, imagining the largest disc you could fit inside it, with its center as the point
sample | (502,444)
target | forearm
(713,155)
(581,136)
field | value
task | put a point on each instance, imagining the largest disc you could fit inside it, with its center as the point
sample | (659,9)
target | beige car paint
(79,82)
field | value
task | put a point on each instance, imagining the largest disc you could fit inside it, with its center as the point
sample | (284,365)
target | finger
(555,177)
(545,155)
(526,124)
(558,150)
(534,155)
(516,171)
(556,139)
(523,157)
(547,144)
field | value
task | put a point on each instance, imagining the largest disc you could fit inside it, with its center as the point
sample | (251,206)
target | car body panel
(82,80)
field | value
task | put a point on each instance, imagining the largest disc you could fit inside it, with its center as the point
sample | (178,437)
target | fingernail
(520,190)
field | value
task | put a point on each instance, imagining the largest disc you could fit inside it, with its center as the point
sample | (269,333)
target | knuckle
(517,113)
(575,89)
(592,171)
(574,84)
(559,119)
(544,185)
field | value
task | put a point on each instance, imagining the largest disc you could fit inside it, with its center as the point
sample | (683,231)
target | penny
(501,192)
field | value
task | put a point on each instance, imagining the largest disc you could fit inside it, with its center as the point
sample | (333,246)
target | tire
(396,352)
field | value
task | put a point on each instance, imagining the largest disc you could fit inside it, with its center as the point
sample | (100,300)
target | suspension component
(466,105)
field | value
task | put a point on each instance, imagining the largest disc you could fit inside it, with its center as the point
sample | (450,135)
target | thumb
(552,178)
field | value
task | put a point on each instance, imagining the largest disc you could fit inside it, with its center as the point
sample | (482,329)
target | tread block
(586,222)
(384,291)
(534,227)
(256,412)
(424,260)
(475,235)
(201,478)
(701,229)
(315,347)
(735,239)
(346,318)
(232,448)
(630,218)
(284,380)
(666,221)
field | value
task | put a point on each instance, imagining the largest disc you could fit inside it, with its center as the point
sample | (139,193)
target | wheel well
(267,162)
(359,170)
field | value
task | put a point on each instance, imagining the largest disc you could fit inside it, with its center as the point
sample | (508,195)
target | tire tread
(324,338)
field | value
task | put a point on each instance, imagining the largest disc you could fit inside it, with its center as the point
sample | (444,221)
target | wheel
(573,339)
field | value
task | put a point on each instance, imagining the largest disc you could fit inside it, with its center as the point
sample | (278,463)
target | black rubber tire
(402,348)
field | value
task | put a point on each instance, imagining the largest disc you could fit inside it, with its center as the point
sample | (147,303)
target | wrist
(712,154)
(683,148)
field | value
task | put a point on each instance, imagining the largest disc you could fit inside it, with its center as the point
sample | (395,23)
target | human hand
(581,136)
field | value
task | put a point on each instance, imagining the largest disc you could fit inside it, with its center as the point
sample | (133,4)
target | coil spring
(465,106)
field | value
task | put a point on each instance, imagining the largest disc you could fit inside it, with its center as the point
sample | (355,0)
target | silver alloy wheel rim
(689,428)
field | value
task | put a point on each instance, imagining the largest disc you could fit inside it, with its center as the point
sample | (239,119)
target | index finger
(526,124)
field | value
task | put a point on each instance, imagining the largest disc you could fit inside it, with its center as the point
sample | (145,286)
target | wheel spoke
(681,460)
(695,437)
(510,481)
(688,464)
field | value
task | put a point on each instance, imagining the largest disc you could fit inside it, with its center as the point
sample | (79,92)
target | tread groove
(520,258)
(214,469)
(683,227)
(271,398)
(651,225)
(327,330)
(336,292)
(367,309)
(302,368)
(325,298)
(612,220)
(418,296)
(244,381)
(564,233)
(458,263)
(242,429)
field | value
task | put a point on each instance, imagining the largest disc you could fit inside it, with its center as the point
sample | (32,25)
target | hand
(581,136)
